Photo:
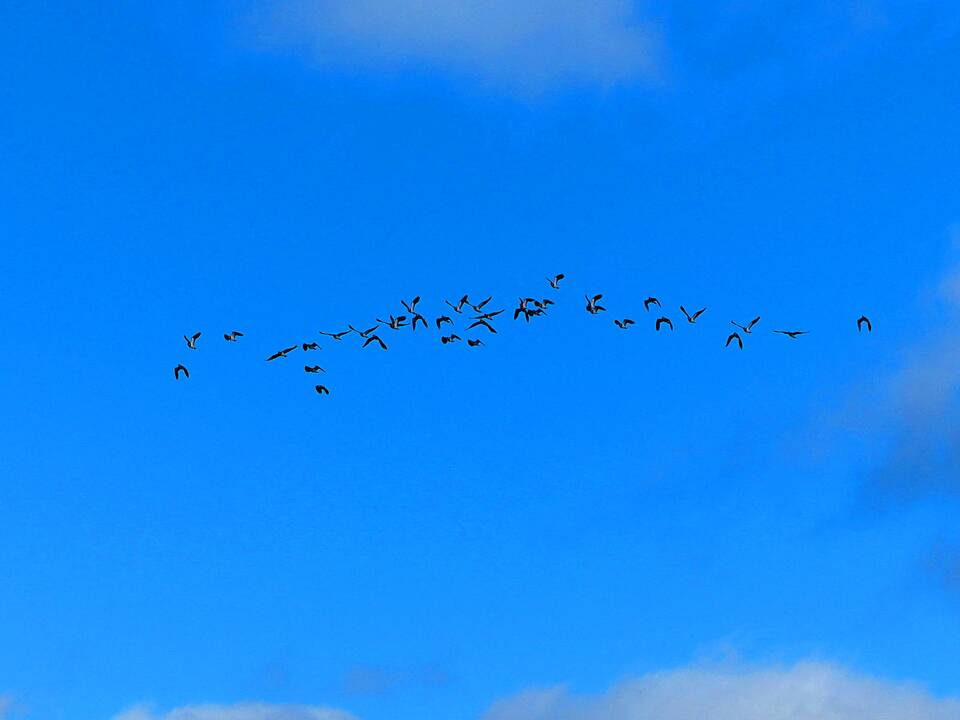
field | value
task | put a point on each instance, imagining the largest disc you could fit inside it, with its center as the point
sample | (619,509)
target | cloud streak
(806,691)
(240,711)
(527,46)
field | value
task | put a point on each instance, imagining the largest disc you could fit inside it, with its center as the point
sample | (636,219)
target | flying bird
(792,334)
(421,318)
(487,315)
(650,301)
(321,389)
(336,336)
(555,282)
(231,336)
(449,339)
(623,324)
(192,341)
(282,353)
(375,338)
(395,322)
(661,321)
(412,307)
(479,306)
(364,333)
(180,369)
(458,308)
(313,369)
(443,319)
(864,320)
(748,328)
(482,323)
(310,346)
(593,306)
(474,343)
(734,336)
(692,319)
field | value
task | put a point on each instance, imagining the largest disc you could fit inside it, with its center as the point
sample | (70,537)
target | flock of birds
(483,319)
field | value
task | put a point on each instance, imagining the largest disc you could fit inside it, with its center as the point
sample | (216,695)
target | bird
(311,346)
(474,343)
(734,336)
(180,369)
(449,339)
(555,282)
(650,301)
(482,323)
(231,336)
(313,369)
(412,307)
(623,324)
(321,389)
(336,336)
(282,353)
(692,319)
(395,322)
(522,309)
(748,328)
(363,333)
(458,308)
(487,315)
(443,319)
(864,320)
(792,334)
(593,306)
(661,321)
(421,318)
(479,306)
(192,341)
(376,338)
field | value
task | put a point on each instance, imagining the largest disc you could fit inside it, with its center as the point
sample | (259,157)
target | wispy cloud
(806,691)
(240,711)
(524,45)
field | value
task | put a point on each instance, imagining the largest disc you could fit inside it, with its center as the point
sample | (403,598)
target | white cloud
(807,691)
(240,711)
(526,45)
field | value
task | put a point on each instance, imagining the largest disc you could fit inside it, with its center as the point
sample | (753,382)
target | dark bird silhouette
(692,319)
(458,308)
(282,353)
(310,346)
(623,324)
(412,307)
(792,334)
(480,305)
(487,315)
(375,338)
(364,333)
(748,328)
(522,310)
(421,318)
(555,282)
(661,321)
(474,343)
(650,301)
(862,321)
(593,304)
(313,369)
(449,339)
(336,336)
(482,323)
(192,341)
(732,337)
(180,369)
(395,322)
(232,336)
(321,389)
(443,319)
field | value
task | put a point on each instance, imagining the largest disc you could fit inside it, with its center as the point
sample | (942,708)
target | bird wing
(699,312)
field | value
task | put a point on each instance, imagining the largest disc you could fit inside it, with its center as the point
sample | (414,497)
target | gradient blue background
(568,504)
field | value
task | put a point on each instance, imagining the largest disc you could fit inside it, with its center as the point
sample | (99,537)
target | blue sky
(570,523)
